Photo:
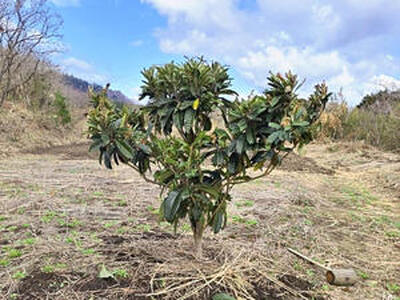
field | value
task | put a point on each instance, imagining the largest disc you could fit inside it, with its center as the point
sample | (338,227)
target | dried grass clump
(167,269)
(374,127)
(332,121)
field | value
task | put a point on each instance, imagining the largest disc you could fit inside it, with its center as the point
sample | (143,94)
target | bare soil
(64,220)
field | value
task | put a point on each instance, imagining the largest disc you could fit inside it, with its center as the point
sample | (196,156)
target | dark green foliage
(173,139)
(61,108)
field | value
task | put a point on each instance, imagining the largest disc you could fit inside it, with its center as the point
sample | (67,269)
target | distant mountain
(83,86)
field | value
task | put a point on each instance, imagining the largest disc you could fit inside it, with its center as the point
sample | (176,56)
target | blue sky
(351,44)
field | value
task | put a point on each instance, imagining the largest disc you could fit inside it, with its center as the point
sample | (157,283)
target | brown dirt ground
(63,217)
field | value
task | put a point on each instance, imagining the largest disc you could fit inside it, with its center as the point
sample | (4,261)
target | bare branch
(29,33)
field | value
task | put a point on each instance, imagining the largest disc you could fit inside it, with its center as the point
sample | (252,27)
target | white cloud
(348,43)
(66,2)
(137,43)
(305,62)
(385,82)
(343,79)
(77,63)
(325,15)
(84,70)
(217,12)
(389,57)
(133,93)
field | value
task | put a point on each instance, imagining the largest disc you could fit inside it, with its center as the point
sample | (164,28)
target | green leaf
(171,205)
(115,156)
(274,125)
(189,116)
(222,296)
(163,175)
(95,145)
(166,122)
(259,157)
(146,149)
(253,115)
(105,138)
(219,158)
(233,163)
(218,221)
(196,211)
(124,149)
(221,133)
(107,160)
(301,123)
(207,124)
(272,138)
(242,124)
(240,144)
(275,101)
(104,273)
(149,129)
(250,137)
(185,104)
(178,119)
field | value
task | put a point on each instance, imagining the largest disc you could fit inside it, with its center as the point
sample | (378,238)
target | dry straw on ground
(68,217)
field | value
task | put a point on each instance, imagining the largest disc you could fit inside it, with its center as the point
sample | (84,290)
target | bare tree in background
(29,33)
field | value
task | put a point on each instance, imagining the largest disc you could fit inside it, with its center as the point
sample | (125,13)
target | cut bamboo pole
(309,260)
(339,277)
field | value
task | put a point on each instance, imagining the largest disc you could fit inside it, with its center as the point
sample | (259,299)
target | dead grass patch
(68,217)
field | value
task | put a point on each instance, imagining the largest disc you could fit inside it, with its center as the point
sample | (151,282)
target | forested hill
(383,101)
(83,86)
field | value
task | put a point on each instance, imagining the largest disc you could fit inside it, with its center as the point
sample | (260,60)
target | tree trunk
(198,239)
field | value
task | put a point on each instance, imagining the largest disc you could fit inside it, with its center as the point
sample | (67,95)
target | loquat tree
(174,142)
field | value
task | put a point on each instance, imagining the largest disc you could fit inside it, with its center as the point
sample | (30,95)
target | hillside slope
(26,126)
(23,129)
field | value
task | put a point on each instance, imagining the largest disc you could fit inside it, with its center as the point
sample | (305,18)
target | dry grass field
(65,222)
